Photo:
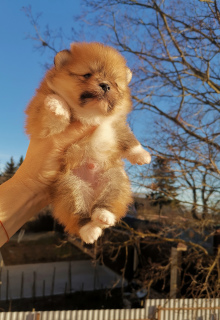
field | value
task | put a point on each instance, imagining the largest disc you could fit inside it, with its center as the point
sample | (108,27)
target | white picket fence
(155,309)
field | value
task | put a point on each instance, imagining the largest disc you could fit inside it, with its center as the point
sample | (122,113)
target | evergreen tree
(1,178)
(164,178)
(20,161)
(10,169)
(163,184)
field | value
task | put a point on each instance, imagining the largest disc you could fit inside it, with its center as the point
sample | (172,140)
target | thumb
(73,133)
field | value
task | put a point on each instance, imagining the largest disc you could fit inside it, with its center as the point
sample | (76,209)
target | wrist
(27,180)
(3,233)
(18,203)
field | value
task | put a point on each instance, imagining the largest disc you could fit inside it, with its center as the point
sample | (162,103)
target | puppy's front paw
(103,218)
(137,155)
(90,232)
(57,105)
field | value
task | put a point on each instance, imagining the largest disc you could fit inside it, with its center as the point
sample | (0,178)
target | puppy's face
(93,79)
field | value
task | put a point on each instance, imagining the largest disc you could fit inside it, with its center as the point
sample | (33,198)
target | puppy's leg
(101,218)
(90,232)
(56,115)
(113,195)
(71,202)
(130,147)
(113,200)
(138,155)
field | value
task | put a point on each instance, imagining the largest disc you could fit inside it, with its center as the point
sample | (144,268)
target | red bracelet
(5,230)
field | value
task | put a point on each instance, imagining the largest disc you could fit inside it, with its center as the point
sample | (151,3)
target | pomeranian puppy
(88,83)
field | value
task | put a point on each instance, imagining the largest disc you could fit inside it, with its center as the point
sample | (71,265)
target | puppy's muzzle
(105,86)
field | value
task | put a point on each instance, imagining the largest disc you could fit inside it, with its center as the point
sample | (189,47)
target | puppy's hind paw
(90,232)
(103,218)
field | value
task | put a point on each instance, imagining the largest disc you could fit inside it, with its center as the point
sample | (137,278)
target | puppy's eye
(87,75)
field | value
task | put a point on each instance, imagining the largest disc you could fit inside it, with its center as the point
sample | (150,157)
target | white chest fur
(103,140)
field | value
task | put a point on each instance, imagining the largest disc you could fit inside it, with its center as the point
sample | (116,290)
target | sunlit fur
(88,83)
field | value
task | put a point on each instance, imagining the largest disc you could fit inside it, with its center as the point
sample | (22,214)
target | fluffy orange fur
(88,83)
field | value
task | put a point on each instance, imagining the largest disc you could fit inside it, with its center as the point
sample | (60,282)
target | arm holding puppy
(22,196)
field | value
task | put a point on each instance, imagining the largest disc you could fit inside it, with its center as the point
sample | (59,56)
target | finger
(73,133)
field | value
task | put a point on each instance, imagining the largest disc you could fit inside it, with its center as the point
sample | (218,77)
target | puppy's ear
(129,75)
(62,58)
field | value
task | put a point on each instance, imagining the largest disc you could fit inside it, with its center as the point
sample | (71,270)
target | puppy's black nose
(105,87)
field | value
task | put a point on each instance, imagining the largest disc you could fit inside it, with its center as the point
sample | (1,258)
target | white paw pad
(90,232)
(103,218)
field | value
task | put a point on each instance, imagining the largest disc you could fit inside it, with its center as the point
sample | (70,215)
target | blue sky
(21,66)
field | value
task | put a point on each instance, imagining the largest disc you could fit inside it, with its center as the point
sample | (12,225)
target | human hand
(41,163)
